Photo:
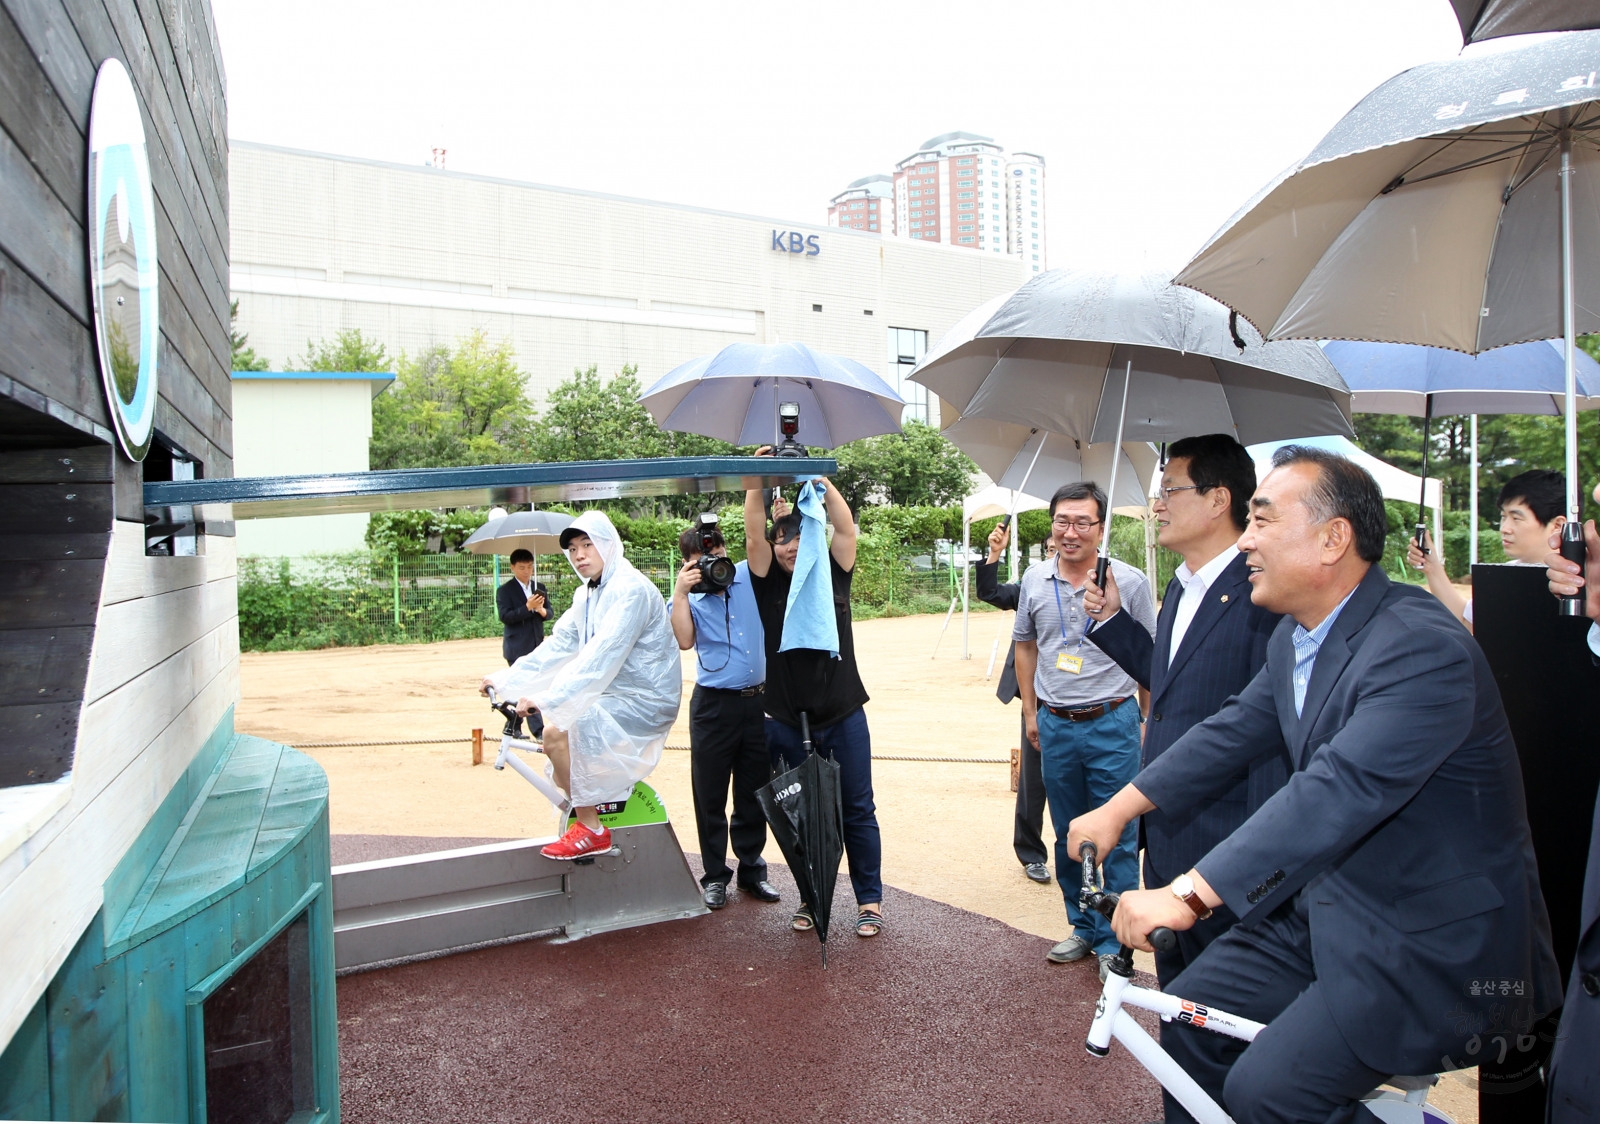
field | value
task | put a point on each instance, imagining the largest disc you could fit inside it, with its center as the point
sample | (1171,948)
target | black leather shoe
(762,891)
(716,895)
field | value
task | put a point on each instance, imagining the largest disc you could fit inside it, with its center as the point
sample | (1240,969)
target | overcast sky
(1157,119)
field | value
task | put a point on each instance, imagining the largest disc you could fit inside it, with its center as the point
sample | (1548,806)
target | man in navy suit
(1393,873)
(1210,641)
(523,606)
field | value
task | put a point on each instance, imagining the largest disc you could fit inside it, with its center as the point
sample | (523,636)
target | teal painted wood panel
(207,942)
(87,1021)
(158,1071)
(299,793)
(25,1070)
(134,868)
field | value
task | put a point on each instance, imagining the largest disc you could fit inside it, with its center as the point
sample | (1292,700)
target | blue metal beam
(269,497)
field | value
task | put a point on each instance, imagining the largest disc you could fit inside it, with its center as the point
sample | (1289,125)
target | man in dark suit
(524,606)
(1393,873)
(1027,832)
(1573,1088)
(1210,641)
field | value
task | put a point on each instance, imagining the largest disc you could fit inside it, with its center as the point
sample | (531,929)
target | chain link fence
(346,600)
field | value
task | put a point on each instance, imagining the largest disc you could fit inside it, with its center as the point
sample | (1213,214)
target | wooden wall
(143,654)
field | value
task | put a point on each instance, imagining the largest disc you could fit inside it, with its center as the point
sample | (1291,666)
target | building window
(866,312)
(816,308)
(907,346)
(966,229)
(872,226)
(1035,258)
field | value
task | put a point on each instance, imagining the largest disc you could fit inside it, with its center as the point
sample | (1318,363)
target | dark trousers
(1170,965)
(847,742)
(1027,832)
(1300,1067)
(728,741)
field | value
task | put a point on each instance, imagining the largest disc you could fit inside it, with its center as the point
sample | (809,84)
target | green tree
(587,418)
(348,351)
(916,467)
(466,405)
(244,356)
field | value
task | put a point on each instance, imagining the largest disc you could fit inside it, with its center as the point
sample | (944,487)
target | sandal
(803,921)
(868,923)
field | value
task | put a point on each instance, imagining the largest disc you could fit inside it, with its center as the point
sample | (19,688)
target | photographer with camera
(803,676)
(714,612)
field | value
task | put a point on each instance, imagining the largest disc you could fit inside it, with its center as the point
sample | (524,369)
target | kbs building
(415,256)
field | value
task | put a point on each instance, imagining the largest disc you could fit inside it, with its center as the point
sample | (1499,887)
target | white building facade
(1025,210)
(417,256)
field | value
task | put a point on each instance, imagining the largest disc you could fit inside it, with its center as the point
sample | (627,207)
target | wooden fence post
(477,746)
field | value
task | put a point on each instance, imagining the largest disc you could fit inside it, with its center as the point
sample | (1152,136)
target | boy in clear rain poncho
(607,681)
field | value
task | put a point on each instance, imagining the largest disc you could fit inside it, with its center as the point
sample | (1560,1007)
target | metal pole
(966,583)
(397,589)
(1474,489)
(1111,496)
(1422,498)
(1568,329)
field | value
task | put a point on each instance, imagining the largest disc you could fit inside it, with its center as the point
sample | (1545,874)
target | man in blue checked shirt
(1078,707)
(727,724)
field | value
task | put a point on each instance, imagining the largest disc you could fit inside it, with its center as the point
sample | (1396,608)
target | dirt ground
(946,826)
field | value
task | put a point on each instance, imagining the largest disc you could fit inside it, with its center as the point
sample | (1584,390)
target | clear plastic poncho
(608,674)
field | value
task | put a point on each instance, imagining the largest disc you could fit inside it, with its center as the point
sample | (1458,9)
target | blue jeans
(1084,765)
(848,743)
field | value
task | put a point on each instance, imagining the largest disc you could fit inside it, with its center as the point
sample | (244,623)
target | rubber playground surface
(948,1016)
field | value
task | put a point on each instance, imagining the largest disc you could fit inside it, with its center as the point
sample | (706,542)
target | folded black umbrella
(806,812)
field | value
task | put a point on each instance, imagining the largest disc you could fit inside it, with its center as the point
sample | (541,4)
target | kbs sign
(793,242)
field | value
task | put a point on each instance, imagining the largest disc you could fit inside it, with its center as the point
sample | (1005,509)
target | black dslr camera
(789,425)
(716,572)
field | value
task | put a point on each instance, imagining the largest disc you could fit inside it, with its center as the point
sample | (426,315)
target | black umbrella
(1490,19)
(806,812)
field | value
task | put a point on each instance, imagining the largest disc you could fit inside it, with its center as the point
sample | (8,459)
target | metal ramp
(424,905)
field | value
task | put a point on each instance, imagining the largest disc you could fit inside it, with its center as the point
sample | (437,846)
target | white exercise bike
(1408,1105)
(511,740)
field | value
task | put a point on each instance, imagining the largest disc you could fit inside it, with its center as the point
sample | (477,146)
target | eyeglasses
(1166,493)
(1082,526)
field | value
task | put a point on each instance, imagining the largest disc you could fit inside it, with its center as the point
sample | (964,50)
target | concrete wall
(289,426)
(416,256)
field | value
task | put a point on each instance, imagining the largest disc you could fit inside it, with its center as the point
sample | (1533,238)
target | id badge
(1068,663)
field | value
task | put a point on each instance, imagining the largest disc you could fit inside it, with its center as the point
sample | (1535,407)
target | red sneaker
(578,842)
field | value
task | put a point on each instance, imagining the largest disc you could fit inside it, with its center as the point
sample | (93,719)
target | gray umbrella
(1437,212)
(1490,19)
(1055,354)
(536,531)
(1111,357)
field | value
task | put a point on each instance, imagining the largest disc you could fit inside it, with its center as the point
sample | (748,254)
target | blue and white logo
(122,257)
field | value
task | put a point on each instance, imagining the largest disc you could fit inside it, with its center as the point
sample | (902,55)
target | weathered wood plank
(130,574)
(117,728)
(40,234)
(88,1023)
(28,509)
(136,636)
(186,396)
(299,789)
(20,547)
(55,42)
(44,664)
(158,1074)
(89,465)
(37,121)
(39,738)
(58,593)
(44,345)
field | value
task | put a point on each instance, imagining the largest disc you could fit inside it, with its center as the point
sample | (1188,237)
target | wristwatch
(1183,890)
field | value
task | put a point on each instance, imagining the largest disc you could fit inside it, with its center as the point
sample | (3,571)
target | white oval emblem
(122,257)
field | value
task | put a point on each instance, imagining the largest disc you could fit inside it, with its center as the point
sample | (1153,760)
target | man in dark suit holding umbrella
(523,605)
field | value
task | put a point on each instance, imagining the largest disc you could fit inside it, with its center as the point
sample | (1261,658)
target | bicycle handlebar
(1104,902)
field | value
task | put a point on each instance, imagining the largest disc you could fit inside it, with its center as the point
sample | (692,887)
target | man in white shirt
(1210,641)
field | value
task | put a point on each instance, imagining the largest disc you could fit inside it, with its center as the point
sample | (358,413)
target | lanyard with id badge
(1071,663)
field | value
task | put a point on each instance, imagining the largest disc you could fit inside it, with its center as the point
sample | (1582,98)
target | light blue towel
(808,619)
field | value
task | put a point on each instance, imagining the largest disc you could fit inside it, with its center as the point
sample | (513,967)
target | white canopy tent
(1395,483)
